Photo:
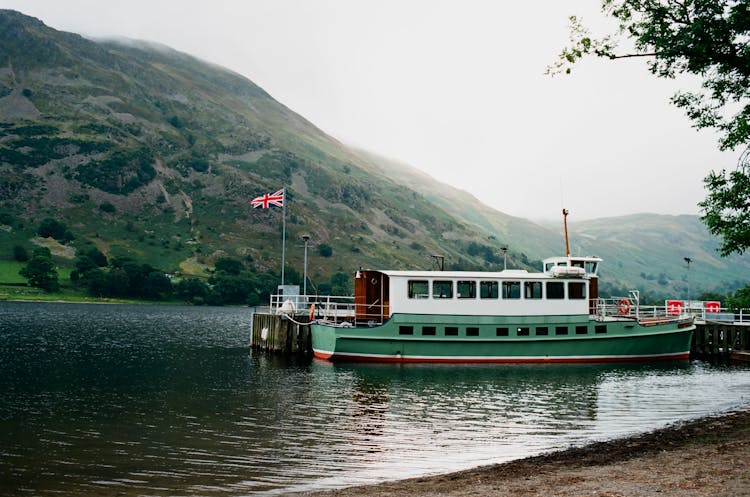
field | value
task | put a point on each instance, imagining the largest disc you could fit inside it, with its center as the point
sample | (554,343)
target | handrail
(628,307)
(330,308)
(340,309)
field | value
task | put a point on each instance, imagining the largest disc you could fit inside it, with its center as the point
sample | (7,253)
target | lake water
(162,400)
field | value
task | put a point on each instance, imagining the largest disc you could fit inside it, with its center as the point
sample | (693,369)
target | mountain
(648,251)
(146,152)
(645,252)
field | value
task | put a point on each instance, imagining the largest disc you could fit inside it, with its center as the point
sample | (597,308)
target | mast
(565,225)
(283,234)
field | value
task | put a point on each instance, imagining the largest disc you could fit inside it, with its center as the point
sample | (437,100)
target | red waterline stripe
(538,360)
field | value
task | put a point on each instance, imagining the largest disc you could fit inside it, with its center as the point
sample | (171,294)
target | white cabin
(566,287)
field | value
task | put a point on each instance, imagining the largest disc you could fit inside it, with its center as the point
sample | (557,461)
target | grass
(9,272)
(66,294)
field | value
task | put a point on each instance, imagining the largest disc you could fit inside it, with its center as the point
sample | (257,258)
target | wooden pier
(716,340)
(280,334)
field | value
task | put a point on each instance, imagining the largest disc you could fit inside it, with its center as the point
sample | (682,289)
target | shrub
(20,253)
(325,250)
(41,273)
(53,228)
(120,173)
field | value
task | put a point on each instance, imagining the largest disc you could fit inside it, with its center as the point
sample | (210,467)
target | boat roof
(585,258)
(505,274)
(508,273)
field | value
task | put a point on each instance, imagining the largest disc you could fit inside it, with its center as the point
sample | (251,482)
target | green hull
(424,338)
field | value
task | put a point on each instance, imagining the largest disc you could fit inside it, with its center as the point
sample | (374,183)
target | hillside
(648,251)
(174,148)
(643,251)
(146,152)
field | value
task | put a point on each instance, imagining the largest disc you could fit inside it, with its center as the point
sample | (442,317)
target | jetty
(284,326)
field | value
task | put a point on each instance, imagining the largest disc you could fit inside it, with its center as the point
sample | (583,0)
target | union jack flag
(269,199)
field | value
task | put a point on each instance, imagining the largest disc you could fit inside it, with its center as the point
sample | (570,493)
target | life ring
(312,312)
(623,307)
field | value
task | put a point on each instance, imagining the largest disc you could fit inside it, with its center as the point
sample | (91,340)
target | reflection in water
(163,400)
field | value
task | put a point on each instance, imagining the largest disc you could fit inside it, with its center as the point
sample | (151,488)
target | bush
(52,228)
(192,290)
(120,173)
(325,250)
(41,273)
(20,253)
(107,207)
(229,266)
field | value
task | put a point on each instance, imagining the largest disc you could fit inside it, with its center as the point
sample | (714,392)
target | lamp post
(305,238)
(687,279)
(505,257)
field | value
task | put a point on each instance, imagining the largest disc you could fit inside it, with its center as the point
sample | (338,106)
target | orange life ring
(312,312)
(623,307)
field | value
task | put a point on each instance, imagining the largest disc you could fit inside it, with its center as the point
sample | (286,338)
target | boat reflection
(392,405)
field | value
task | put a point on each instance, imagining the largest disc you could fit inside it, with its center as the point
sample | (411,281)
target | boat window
(451,331)
(600,328)
(542,330)
(577,264)
(522,332)
(591,267)
(501,332)
(466,289)
(532,290)
(472,332)
(488,289)
(442,289)
(405,330)
(582,330)
(428,330)
(561,330)
(418,289)
(511,289)
(548,266)
(576,290)
(555,290)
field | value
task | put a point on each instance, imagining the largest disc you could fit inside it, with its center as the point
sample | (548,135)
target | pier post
(277,334)
(719,340)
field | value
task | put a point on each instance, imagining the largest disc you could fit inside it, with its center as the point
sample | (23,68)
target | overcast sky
(454,88)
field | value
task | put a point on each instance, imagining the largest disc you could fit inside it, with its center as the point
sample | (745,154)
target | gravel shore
(705,457)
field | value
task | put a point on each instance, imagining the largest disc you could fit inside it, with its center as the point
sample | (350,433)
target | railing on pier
(330,308)
(738,316)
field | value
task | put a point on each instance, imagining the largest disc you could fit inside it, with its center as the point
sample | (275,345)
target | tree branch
(632,55)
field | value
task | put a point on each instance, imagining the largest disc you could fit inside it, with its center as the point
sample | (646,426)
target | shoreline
(704,456)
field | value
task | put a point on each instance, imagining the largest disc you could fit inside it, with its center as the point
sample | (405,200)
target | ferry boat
(509,316)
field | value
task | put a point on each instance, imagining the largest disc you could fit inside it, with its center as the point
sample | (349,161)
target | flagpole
(283,236)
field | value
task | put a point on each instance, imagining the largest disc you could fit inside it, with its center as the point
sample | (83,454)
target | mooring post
(278,334)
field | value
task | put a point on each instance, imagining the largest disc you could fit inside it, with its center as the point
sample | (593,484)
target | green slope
(173,148)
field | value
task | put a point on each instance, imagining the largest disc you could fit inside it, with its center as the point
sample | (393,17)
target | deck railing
(628,307)
(342,309)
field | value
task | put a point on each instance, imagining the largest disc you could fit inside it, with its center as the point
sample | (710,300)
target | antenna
(565,225)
